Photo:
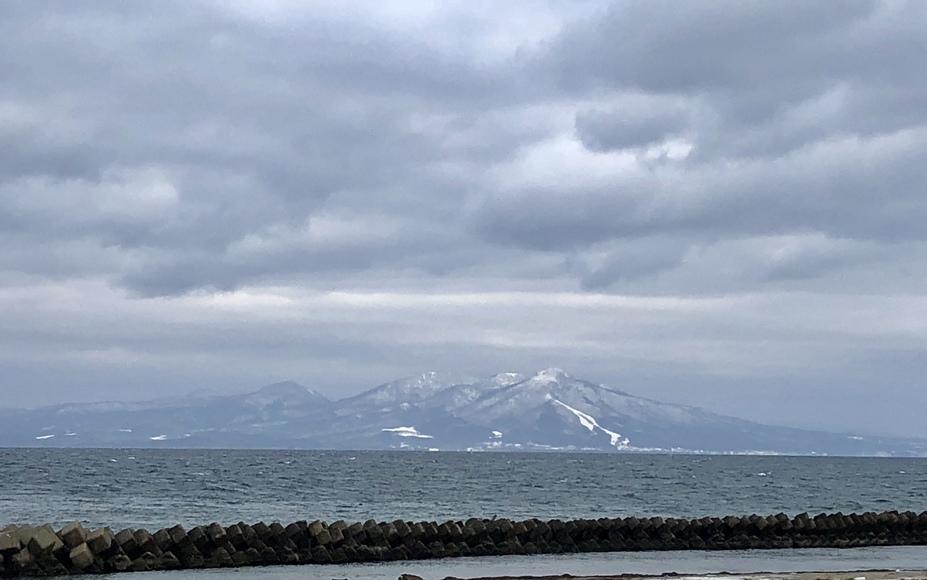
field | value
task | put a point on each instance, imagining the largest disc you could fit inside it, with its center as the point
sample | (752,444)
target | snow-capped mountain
(548,410)
(407,391)
(281,412)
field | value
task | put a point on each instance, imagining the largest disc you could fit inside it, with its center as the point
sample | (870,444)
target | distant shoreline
(525,451)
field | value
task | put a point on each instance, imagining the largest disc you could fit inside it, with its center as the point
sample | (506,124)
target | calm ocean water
(157,488)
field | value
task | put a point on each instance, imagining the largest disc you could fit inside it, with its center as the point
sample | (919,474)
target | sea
(151,489)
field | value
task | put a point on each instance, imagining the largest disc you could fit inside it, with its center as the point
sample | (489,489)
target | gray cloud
(480,184)
(635,120)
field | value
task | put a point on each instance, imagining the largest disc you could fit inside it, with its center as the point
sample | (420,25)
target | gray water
(158,488)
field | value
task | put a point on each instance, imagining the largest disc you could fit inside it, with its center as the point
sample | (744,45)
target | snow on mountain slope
(545,410)
(225,420)
(617,440)
(525,398)
(613,402)
(406,432)
(506,379)
(459,396)
(402,393)
(548,410)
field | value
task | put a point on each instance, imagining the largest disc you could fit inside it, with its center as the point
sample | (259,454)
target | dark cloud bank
(713,203)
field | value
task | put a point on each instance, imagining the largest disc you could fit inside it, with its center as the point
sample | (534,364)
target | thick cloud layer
(714,203)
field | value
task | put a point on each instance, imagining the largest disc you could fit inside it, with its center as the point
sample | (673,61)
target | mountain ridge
(549,410)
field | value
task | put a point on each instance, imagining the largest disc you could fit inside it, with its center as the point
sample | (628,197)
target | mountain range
(550,410)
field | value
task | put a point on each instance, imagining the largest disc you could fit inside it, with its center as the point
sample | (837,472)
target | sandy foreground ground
(850,575)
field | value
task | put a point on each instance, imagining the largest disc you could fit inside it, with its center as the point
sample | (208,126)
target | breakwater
(43,551)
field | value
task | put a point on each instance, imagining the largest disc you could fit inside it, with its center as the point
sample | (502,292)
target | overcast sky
(716,203)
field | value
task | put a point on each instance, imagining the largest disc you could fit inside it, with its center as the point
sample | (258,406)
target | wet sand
(625,565)
(846,575)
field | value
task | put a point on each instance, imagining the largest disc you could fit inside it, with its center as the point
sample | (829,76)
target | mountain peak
(434,379)
(289,392)
(552,374)
(286,388)
(507,379)
(549,410)
(410,389)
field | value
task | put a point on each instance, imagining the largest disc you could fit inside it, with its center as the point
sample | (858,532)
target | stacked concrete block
(41,551)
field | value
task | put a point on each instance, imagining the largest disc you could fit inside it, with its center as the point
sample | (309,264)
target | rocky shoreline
(44,551)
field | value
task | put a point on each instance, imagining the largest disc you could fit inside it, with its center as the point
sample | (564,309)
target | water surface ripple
(157,488)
